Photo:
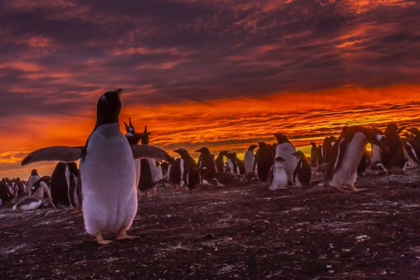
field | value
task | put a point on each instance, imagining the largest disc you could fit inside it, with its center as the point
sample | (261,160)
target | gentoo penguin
(231,161)
(5,193)
(159,174)
(42,188)
(74,185)
(191,173)
(165,169)
(249,159)
(278,176)
(285,150)
(394,159)
(107,171)
(411,151)
(206,164)
(175,175)
(21,189)
(327,147)
(264,159)
(31,181)
(347,154)
(224,179)
(145,168)
(27,204)
(147,181)
(220,162)
(302,174)
(59,188)
(314,155)
(240,164)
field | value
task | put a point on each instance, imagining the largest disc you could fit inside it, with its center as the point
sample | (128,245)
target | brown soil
(245,232)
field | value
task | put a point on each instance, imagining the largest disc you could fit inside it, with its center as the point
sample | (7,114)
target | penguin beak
(119,91)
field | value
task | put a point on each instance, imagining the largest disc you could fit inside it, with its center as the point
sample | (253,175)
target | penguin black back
(59,188)
(206,164)
(264,160)
(394,159)
(303,173)
(175,172)
(220,162)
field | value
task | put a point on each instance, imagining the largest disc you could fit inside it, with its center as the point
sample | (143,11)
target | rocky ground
(244,232)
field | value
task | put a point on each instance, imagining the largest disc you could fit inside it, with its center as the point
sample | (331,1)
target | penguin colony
(111,161)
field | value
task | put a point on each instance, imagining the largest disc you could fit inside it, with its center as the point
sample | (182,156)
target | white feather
(249,161)
(285,151)
(280,179)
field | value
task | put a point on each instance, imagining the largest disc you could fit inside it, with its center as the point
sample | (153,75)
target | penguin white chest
(280,177)
(285,151)
(109,177)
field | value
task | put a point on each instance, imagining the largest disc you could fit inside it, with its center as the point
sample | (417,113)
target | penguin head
(299,155)
(60,167)
(34,172)
(414,130)
(391,129)
(314,144)
(252,147)
(203,150)
(224,153)
(72,167)
(109,107)
(129,128)
(281,138)
(181,151)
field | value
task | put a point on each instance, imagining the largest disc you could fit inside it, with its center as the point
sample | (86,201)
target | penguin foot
(101,240)
(122,235)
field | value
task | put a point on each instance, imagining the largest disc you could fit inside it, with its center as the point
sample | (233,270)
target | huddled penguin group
(115,169)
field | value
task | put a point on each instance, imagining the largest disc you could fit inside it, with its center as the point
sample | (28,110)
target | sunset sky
(222,74)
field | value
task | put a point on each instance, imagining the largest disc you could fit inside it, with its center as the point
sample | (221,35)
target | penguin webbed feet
(101,240)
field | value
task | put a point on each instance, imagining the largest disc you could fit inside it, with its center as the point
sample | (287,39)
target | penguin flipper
(147,151)
(56,153)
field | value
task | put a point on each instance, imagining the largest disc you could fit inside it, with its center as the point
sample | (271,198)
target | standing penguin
(5,193)
(31,181)
(59,188)
(302,174)
(411,151)
(206,164)
(159,174)
(74,185)
(395,159)
(314,155)
(231,161)
(191,173)
(107,171)
(263,161)
(327,148)
(347,154)
(249,159)
(285,150)
(278,177)
(220,162)
(175,174)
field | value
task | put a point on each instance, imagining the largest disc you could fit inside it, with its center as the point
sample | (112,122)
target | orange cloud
(225,124)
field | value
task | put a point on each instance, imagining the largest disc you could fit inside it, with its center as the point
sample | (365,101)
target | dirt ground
(245,232)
